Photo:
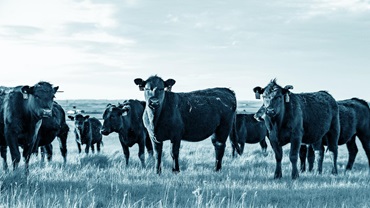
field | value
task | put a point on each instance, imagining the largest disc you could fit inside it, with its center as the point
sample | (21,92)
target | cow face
(154,90)
(79,121)
(112,116)
(274,97)
(40,98)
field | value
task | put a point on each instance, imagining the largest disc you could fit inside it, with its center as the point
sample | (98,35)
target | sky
(94,49)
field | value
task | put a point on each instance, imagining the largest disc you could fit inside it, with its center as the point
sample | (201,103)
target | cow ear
(286,92)
(27,89)
(169,83)
(71,117)
(258,91)
(86,117)
(141,83)
(108,105)
(56,89)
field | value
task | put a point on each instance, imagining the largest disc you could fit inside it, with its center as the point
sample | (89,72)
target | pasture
(103,180)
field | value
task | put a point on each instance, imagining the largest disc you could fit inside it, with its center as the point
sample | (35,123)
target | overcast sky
(95,49)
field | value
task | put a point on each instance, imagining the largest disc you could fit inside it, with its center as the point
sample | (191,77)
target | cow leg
(295,145)
(98,146)
(320,158)
(158,147)
(14,151)
(92,148)
(302,157)
(234,152)
(3,150)
(278,150)
(43,152)
(310,157)
(219,150)
(27,151)
(49,152)
(78,147)
(352,152)
(175,150)
(88,144)
(126,151)
(263,145)
(141,153)
(365,141)
(63,147)
(149,146)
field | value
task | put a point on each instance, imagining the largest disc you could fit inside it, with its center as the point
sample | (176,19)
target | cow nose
(154,103)
(104,132)
(46,113)
(270,111)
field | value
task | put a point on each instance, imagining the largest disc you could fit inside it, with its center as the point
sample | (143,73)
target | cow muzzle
(46,113)
(270,112)
(153,103)
(104,132)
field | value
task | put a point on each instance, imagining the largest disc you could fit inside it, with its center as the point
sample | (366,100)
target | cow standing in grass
(126,119)
(297,119)
(250,131)
(87,131)
(192,116)
(354,115)
(54,126)
(21,113)
(51,127)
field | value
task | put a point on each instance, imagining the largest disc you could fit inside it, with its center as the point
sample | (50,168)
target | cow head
(79,121)
(112,116)
(274,97)
(154,90)
(40,98)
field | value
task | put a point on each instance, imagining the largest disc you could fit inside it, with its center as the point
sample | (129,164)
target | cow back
(195,116)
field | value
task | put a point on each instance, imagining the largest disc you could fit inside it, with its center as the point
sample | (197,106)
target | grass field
(103,180)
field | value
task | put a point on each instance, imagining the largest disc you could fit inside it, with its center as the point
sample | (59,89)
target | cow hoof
(278,175)
(334,171)
(175,171)
(295,176)
(265,154)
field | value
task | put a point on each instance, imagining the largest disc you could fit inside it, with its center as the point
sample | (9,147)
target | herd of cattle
(30,118)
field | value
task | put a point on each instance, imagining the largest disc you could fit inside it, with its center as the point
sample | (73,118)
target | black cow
(21,113)
(354,115)
(192,116)
(87,131)
(250,131)
(51,127)
(55,126)
(297,119)
(127,120)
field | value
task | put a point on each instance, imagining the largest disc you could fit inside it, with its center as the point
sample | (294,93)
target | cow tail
(234,137)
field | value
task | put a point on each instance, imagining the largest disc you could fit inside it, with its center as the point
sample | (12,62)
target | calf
(87,131)
(354,117)
(55,126)
(297,119)
(126,120)
(21,111)
(192,116)
(250,131)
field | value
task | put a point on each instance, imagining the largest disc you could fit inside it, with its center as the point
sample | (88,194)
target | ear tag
(169,89)
(141,88)
(258,95)
(25,96)
(287,99)
(124,113)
